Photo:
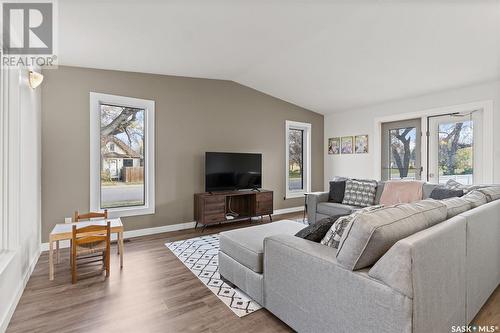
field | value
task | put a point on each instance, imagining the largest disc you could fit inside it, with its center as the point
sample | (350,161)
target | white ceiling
(326,56)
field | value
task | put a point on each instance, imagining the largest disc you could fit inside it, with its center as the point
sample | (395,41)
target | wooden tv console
(212,207)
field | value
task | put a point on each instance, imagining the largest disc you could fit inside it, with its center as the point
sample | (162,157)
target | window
(401,152)
(122,155)
(298,158)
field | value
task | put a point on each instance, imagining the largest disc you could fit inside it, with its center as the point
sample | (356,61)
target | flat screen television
(232,171)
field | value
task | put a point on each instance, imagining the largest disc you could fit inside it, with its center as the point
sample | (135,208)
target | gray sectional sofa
(428,281)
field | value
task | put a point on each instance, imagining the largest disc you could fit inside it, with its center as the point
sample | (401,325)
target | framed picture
(334,146)
(361,144)
(346,145)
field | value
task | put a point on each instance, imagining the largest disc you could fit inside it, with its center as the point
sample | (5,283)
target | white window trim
(96,99)
(10,136)
(306,127)
(486,106)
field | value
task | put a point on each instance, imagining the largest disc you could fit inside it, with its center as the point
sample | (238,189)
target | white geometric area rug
(200,255)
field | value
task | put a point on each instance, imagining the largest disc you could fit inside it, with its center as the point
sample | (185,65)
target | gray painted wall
(192,116)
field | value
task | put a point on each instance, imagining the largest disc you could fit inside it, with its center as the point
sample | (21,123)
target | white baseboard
(19,292)
(166,228)
(288,210)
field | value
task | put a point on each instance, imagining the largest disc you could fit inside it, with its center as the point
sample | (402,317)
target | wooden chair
(88,216)
(79,217)
(88,243)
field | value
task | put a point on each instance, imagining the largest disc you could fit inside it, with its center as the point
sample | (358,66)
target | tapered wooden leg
(120,245)
(107,259)
(270,217)
(57,252)
(74,277)
(51,260)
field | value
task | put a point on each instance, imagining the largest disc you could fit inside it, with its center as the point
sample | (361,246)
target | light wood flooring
(154,292)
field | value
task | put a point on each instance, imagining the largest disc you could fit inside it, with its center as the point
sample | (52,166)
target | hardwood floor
(154,292)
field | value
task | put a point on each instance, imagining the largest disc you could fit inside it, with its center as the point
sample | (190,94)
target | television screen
(232,171)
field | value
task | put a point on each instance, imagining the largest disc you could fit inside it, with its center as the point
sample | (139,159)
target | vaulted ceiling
(326,56)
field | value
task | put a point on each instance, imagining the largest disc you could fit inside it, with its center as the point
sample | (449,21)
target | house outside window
(298,158)
(122,155)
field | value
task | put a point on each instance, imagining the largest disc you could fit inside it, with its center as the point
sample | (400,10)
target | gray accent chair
(318,206)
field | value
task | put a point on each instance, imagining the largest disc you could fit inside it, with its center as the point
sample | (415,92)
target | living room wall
(192,116)
(362,121)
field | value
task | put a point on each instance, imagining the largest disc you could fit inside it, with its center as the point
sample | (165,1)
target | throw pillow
(492,193)
(454,185)
(475,198)
(337,189)
(443,192)
(315,232)
(370,235)
(360,192)
(333,236)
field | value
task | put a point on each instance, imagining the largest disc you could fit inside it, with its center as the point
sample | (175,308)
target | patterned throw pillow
(333,236)
(360,192)
(454,185)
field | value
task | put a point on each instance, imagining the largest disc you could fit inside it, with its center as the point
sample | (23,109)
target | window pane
(122,156)
(402,153)
(296,159)
(456,142)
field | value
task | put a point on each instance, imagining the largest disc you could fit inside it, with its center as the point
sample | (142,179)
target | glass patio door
(401,153)
(453,140)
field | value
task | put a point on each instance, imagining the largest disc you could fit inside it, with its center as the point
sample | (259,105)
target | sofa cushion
(360,192)
(315,232)
(335,209)
(443,192)
(475,198)
(337,189)
(456,206)
(333,236)
(492,193)
(246,245)
(371,234)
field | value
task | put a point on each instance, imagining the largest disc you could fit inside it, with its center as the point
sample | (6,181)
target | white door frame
(486,106)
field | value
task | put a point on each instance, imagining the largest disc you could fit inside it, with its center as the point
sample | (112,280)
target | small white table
(64,231)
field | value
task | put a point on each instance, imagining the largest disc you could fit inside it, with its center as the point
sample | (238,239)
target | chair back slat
(93,228)
(90,239)
(92,233)
(91,215)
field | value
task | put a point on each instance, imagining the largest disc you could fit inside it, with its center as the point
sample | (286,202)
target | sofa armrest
(313,199)
(306,288)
